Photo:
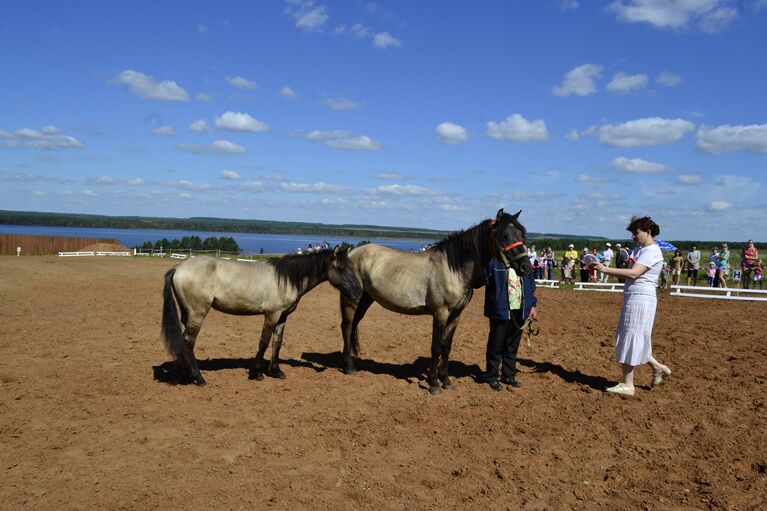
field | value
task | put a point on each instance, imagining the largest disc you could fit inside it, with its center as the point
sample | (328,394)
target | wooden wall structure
(44,245)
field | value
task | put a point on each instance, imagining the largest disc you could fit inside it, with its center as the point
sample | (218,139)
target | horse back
(234,287)
(407,282)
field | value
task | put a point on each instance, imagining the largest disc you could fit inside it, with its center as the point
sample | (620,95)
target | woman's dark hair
(644,224)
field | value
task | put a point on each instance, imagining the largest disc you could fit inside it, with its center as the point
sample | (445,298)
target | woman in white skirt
(633,340)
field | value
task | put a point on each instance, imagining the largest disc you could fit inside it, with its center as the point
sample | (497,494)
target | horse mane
(295,269)
(470,245)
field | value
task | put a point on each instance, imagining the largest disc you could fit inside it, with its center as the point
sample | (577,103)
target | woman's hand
(598,267)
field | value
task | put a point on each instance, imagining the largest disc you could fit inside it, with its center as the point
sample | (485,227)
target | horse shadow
(412,373)
(170,372)
(595,382)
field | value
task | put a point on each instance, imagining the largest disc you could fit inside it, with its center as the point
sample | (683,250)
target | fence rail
(723,293)
(609,287)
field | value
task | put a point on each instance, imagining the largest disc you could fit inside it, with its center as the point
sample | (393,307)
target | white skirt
(633,340)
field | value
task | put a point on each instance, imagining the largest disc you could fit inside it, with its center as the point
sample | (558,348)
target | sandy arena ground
(86,425)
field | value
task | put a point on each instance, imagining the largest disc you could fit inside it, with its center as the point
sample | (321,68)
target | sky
(430,114)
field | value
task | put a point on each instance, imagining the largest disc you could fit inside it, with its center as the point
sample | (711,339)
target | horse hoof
(200,381)
(350,370)
(434,390)
(448,386)
(256,376)
(277,374)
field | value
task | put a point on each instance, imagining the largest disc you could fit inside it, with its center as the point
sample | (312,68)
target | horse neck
(469,251)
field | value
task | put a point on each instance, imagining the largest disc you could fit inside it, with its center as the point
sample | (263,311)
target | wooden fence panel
(44,245)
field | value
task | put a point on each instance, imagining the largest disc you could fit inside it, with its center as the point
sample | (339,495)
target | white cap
(570,245)
(608,244)
(617,244)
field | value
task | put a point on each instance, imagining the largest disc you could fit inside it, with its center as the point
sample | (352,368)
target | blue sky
(411,113)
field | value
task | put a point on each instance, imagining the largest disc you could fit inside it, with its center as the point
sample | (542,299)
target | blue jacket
(496,280)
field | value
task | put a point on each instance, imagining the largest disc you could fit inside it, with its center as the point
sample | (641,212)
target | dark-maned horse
(272,287)
(439,282)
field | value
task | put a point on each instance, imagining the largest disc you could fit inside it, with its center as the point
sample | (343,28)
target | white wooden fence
(85,254)
(609,287)
(723,293)
(554,284)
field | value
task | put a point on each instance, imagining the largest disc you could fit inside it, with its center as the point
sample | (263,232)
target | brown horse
(439,282)
(272,287)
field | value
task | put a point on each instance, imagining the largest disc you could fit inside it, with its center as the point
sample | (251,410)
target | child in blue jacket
(507,312)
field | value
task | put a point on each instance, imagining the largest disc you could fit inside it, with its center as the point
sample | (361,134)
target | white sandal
(622,389)
(657,378)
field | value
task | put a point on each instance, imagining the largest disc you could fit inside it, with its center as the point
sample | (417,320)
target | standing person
(607,258)
(584,266)
(714,258)
(549,257)
(622,260)
(509,301)
(711,273)
(633,339)
(724,258)
(532,254)
(677,262)
(758,275)
(693,266)
(568,263)
(749,258)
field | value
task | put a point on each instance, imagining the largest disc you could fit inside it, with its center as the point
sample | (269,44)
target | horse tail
(171,328)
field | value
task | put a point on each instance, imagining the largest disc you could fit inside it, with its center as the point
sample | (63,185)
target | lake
(250,243)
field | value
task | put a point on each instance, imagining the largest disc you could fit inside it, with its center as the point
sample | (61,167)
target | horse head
(341,275)
(509,238)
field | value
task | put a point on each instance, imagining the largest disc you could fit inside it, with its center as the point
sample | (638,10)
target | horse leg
(274,366)
(192,368)
(256,373)
(447,344)
(351,315)
(437,339)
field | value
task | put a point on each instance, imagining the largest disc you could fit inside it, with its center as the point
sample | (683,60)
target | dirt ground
(84,423)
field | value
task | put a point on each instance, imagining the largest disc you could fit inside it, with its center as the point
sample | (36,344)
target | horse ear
(516,215)
(499,215)
(336,250)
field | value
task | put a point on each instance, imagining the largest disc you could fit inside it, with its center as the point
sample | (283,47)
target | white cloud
(202,29)
(224,146)
(579,81)
(668,79)
(402,190)
(361,31)
(573,135)
(718,206)
(343,140)
(623,83)
(320,187)
(147,87)
(386,40)
(204,96)
(236,121)
(711,15)
(567,5)
(342,104)
(188,185)
(241,83)
(536,196)
(254,186)
(199,126)
(641,132)
(288,93)
(585,178)
(689,179)
(47,139)
(230,175)
(164,131)
(309,16)
(449,133)
(720,139)
(391,176)
(637,166)
(516,128)
(192,148)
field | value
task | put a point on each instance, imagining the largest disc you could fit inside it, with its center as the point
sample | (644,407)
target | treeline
(224,244)
(214,225)
(685,246)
